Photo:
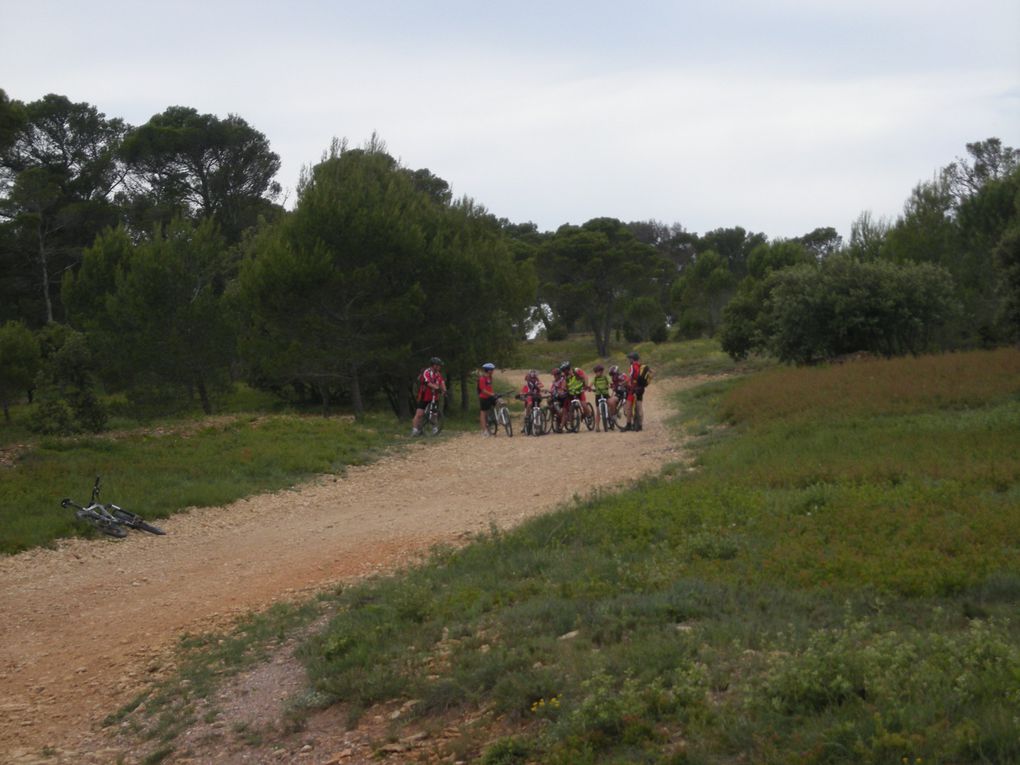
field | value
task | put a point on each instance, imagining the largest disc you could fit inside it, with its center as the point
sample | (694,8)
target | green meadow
(158,471)
(837,581)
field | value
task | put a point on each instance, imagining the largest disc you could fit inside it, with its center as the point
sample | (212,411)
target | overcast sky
(777,116)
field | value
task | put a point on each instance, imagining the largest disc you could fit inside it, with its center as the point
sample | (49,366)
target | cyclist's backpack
(644,376)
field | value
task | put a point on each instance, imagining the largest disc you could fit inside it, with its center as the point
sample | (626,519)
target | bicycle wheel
(549,420)
(101,524)
(539,425)
(504,418)
(574,419)
(557,423)
(490,422)
(588,414)
(135,521)
(607,422)
(434,418)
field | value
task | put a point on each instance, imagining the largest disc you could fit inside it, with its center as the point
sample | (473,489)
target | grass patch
(157,472)
(204,663)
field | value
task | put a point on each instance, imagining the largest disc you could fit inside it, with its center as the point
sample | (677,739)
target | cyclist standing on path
(431,387)
(619,382)
(486,395)
(636,391)
(531,392)
(559,395)
(600,384)
(577,381)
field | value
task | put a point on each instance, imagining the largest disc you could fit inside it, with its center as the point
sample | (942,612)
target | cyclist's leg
(419,415)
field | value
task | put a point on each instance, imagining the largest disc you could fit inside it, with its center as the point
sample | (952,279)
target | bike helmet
(633,356)
(599,368)
(436,360)
(614,370)
(565,366)
(533,374)
(488,366)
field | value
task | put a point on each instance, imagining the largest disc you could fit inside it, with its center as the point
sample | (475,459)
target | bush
(67,401)
(556,331)
(807,313)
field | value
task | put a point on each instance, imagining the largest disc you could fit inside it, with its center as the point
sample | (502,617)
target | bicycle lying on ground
(499,415)
(109,519)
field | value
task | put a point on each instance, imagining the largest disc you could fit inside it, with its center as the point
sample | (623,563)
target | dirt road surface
(82,626)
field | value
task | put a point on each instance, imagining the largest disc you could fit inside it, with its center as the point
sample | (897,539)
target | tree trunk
(359,406)
(203,394)
(323,389)
(45,277)
(7,411)
(403,403)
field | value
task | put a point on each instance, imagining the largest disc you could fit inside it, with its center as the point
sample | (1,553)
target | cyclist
(559,394)
(636,390)
(431,387)
(601,385)
(577,383)
(531,392)
(486,395)
(619,383)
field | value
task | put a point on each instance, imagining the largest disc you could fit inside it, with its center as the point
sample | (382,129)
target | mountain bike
(499,415)
(534,419)
(553,423)
(109,519)
(433,422)
(608,421)
(580,412)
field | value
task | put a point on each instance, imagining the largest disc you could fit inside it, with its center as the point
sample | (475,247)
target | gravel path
(85,626)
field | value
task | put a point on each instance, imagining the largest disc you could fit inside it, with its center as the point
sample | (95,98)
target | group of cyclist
(618,387)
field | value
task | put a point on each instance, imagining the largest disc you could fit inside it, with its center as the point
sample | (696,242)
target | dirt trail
(83,626)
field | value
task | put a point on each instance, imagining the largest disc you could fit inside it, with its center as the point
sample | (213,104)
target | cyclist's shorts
(486,403)
(532,400)
(637,394)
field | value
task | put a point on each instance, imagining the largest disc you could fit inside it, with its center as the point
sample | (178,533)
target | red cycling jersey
(485,387)
(429,378)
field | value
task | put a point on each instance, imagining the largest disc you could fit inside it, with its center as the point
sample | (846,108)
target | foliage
(369,276)
(20,358)
(591,271)
(58,171)
(806,314)
(956,221)
(701,293)
(66,399)
(156,311)
(185,164)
